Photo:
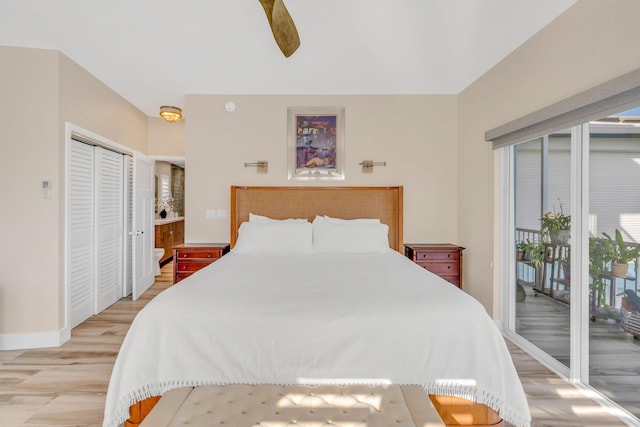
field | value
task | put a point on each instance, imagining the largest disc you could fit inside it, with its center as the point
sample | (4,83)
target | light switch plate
(46,189)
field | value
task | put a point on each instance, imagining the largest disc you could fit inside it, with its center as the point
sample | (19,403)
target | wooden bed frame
(385,203)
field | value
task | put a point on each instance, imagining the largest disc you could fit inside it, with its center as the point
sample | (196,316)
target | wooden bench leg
(139,410)
(456,411)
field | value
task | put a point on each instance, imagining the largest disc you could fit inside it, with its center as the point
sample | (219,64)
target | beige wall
(43,90)
(29,224)
(86,102)
(165,139)
(415,135)
(592,42)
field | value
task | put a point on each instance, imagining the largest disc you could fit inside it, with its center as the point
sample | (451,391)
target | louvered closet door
(80,210)
(109,225)
(128,229)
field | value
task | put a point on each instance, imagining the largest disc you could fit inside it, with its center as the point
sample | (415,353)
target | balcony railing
(552,277)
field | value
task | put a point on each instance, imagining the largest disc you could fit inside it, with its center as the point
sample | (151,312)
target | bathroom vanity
(169,233)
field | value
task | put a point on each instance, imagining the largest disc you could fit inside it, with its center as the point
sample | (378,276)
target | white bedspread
(316,318)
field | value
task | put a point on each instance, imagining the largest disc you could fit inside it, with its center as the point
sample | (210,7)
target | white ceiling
(154,52)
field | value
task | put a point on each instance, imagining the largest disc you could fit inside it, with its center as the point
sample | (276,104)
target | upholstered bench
(299,405)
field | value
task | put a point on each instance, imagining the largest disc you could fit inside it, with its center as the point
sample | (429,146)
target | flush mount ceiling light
(170,114)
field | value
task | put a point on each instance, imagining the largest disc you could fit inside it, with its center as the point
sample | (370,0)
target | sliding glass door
(614,234)
(586,324)
(542,230)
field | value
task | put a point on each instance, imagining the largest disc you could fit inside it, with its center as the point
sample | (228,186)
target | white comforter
(316,318)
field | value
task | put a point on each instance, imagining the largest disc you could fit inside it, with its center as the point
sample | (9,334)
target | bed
(344,309)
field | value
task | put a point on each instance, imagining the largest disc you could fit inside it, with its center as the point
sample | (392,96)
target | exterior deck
(614,354)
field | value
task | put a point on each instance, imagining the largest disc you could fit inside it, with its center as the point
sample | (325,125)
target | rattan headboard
(384,203)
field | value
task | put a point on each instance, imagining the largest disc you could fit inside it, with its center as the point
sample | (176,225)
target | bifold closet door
(109,226)
(128,227)
(80,208)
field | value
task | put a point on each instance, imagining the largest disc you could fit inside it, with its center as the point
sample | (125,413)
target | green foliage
(553,224)
(620,251)
(536,251)
(600,255)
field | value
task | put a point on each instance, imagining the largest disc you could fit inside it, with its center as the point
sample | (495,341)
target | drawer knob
(185,255)
(184,267)
(449,255)
(209,255)
(449,267)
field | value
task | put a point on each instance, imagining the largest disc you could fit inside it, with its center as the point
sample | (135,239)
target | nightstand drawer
(180,276)
(452,279)
(440,268)
(198,254)
(182,267)
(437,256)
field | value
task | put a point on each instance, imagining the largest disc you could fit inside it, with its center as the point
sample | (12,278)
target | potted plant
(521,248)
(532,251)
(555,227)
(600,251)
(621,254)
(536,252)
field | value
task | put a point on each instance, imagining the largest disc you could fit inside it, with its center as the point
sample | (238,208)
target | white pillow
(278,237)
(350,237)
(326,218)
(265,219)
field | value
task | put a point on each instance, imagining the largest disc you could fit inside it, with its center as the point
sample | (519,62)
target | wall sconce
(170,114)
(261,165)
(367,165)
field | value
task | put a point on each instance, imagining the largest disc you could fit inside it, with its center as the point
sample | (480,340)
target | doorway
(169,213)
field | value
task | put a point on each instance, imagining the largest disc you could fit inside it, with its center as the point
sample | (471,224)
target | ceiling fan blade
(282,26)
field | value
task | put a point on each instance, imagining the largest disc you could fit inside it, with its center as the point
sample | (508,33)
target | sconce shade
(170,114)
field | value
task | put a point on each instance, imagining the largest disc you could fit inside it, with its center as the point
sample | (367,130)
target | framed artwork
(316,143)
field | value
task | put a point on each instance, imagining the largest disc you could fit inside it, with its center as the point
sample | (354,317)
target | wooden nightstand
(191,257)
(443,259)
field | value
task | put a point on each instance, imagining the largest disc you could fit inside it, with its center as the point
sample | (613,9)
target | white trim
(503,219)
(539,355)
(94,138)
(34,340)
(579,306)
(169,159)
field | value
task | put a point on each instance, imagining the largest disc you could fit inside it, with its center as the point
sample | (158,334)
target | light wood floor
(66,386)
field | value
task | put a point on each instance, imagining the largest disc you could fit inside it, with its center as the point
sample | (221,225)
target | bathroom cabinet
(169,234)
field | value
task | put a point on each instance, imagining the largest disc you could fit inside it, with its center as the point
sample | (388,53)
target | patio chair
(630,311)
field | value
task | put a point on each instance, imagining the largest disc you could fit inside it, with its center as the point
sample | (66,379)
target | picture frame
(315,143)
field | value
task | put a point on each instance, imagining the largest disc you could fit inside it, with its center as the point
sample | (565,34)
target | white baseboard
(34,340)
